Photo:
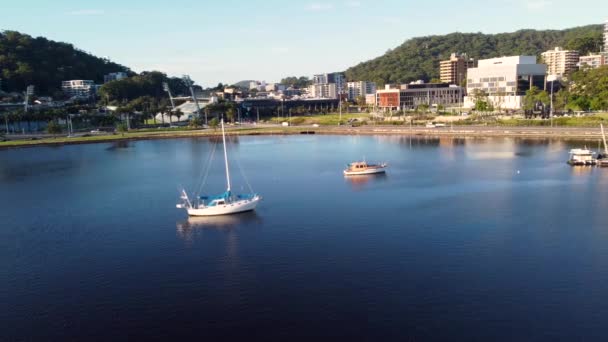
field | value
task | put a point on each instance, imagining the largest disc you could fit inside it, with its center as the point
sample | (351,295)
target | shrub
(53,128)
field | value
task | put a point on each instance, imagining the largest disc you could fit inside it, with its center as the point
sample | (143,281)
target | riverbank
(456,131)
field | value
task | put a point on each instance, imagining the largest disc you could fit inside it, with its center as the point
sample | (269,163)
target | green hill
(45,63)
(418,58)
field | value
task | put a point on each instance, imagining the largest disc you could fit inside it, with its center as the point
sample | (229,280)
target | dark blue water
(463,239)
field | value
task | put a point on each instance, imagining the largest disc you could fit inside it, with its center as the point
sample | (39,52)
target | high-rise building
(606,36)
(334,78)
(559,61)
(323,91)
(454,70)
(505,80)
(361,88)
(114,76)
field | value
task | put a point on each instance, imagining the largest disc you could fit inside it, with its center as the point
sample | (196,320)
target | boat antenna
(225,157)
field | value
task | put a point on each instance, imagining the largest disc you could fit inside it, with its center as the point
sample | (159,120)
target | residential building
(275,87)
(594,61)
(370,99)
(606,36)
(454,70)
(333,78)
(114,76)
(410,96)
(323,91)
(560,62)
(361,88)
(83,88)
(505,80)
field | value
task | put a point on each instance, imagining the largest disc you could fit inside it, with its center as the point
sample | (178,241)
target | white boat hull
(226,209)
(364,172)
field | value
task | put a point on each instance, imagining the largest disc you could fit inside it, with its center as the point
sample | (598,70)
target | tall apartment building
(559,61)
(454,70)
(594,61)
(84,88)
(334,78)
(323,91)
(505,80)
(606,36)
(361,88)
(114,76)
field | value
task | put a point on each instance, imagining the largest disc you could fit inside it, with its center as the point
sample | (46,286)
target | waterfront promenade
(14,141)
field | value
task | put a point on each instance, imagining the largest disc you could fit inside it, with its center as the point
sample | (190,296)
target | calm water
(466,239)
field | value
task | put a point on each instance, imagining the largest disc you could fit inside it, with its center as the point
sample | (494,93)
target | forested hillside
(418,58)
(26,60)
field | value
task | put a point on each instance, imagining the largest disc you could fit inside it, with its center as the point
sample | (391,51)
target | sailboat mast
(604,138)
(225,156)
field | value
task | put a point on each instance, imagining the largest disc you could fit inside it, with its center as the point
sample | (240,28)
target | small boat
(581,156)
(363,168)
(223,204)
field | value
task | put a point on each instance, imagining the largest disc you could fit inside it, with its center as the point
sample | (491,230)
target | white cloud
(83,12)
(317,6)
(537,4)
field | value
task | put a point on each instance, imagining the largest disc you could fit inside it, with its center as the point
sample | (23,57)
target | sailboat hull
(226,209)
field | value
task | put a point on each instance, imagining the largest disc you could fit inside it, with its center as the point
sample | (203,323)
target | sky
(231,40)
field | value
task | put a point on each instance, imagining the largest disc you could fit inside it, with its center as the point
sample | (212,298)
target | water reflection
(187,228)
(582,170)
(117,145)
(359,182)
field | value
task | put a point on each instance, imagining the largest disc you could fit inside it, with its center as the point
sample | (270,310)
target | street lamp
(552,78)
(168,91)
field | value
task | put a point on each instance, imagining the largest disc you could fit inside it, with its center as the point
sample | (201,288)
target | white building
(361,88)
(275,87)
(606,36)
(560,62)
(84,88)
(323,91)
(114,76)
(505,80)
(594,61)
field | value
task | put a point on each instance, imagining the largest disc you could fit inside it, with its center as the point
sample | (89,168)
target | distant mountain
(25,60)
(418,58)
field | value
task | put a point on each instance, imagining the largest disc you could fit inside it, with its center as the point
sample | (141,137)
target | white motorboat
(581,156)
(363,168)
(224,204)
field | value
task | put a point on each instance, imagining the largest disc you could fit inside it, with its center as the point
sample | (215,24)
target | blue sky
(232,40)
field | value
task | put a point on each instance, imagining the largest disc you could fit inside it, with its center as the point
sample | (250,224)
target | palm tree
(178,112)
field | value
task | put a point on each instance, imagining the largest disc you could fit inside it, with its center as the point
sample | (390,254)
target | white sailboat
(224,204)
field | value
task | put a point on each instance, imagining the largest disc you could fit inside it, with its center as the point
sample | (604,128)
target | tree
(360,100)
(53,128)
(214,123)
(480,98)
(196,121)
(178,113)
(122,127)
(531,99)
(230,113)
